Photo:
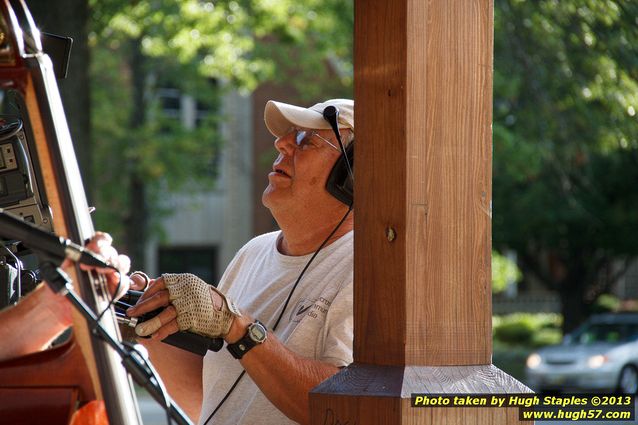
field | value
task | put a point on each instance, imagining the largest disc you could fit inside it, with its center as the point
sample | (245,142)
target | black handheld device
(188,341)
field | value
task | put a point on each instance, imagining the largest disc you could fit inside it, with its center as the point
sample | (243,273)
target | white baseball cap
(281,117)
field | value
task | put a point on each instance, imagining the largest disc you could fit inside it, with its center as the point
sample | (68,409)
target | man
(41,316)
(311,310)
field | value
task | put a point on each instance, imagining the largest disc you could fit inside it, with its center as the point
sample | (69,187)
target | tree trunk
(136,227)
(69,18)
(573,306)
(572,290)
(566,274)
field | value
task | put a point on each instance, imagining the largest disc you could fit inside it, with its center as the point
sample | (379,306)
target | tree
(137,46)
(70,19)
(566,143)
(565,100)
(504,272)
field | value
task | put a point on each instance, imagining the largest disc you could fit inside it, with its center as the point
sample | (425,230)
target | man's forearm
(181,372)
(283,376)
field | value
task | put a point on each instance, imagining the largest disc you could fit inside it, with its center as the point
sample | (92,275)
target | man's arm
(181,372)
(33,323)
(283,376)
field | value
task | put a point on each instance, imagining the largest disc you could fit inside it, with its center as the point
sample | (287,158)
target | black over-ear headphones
(340,183)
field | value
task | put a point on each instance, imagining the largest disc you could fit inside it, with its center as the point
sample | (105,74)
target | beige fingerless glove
(192,298)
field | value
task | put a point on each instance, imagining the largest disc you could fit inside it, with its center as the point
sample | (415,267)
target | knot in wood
(391,234)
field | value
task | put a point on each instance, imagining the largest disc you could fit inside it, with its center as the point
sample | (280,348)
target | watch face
(257,332)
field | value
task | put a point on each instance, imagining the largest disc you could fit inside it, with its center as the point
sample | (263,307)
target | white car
(601,356)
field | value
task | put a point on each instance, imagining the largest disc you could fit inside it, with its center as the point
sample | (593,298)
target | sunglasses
(304,139)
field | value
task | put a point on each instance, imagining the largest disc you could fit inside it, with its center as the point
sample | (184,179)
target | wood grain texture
(51,188)
(49,175)
(60,366)
(423,93)
(395,381)
(448,130)
(369,394)
(364,380)
(104,363)
(423,90)
(458,415)
(380,96)
(354,410)
(481,379)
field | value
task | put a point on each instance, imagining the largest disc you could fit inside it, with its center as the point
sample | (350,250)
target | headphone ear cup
(340,184)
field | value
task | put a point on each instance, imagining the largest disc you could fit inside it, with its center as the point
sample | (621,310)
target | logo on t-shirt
(311,308)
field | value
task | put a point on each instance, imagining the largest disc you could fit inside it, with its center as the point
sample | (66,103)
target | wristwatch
(256,334)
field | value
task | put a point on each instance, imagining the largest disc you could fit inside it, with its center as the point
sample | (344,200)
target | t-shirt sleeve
(339,329)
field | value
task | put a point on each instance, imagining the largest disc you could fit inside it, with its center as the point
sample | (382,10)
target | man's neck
(299,237)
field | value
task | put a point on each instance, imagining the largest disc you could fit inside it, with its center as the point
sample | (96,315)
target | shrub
(605,303)
(546,336)
(527,329)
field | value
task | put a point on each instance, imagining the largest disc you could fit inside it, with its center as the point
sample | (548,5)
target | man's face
(300,172)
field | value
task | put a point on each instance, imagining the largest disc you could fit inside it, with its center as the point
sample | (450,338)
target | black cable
(135,364)
(146,364)
(283,310)
(308,265)
(243,372)
(149,367)
(154,375)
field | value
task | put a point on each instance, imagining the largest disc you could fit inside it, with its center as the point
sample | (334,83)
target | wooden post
(423,95)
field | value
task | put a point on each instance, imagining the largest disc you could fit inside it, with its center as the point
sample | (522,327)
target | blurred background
(165,103)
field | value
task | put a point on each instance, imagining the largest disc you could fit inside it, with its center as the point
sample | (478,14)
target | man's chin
(272,198)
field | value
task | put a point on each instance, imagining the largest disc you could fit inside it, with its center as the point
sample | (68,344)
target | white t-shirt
(317,323)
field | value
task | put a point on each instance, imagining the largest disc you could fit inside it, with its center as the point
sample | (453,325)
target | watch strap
(246,343)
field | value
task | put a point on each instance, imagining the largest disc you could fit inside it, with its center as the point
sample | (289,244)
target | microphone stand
(142,373)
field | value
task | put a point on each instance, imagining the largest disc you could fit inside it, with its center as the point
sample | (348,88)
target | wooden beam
(423,109)
(422,308)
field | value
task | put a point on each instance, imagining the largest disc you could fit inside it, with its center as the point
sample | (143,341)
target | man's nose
(285,144)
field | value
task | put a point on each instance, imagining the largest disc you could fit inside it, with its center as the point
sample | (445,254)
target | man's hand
(189,303)
(117,280)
